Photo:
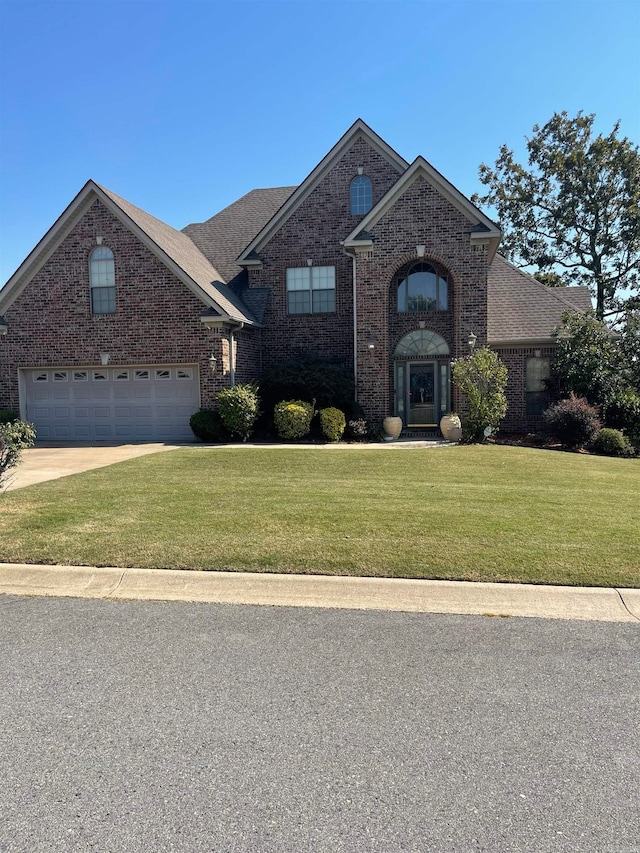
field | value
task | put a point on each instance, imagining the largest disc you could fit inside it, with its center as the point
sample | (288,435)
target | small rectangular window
(311,290)
(60,376)
(100,375)
(80,376)
(121,375)
(41,377)
(163,374)
(538,371)
(141,375)
(184,373)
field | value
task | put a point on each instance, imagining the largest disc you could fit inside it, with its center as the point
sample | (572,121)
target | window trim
(294,275)
(102,254)
(402,281)
(359,200)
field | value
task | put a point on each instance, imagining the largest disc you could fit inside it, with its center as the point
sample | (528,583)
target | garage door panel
(133,403)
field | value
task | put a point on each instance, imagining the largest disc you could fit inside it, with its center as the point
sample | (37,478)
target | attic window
(102,281)
(361,195)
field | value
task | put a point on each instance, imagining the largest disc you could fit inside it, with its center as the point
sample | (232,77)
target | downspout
(232,367)
(355,329)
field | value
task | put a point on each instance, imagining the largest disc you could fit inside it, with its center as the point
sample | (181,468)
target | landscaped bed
(487,513)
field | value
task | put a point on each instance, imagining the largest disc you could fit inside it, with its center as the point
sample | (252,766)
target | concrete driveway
(49,463)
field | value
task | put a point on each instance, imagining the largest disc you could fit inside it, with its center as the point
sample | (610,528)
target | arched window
(423,289)
(361,195)
(422,343)
(102,281)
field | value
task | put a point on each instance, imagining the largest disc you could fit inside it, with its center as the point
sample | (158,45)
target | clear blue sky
(183,106)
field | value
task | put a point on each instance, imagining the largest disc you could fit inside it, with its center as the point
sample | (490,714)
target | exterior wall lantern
(371,342)
(212,363)
(472,341)
(104,358)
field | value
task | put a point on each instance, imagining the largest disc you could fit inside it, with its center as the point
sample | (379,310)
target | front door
(422,393)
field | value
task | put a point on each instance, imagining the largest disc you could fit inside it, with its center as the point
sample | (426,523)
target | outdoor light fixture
(371,342)
(420,250)
(104,358)
(212,362)
(472,341)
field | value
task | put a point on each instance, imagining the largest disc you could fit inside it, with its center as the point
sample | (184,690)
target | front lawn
(486,513)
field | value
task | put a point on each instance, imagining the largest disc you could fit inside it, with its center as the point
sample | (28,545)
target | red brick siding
(156,319)
(515,359)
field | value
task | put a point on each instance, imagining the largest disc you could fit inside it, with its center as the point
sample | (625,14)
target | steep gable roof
(222,237)
(482,229)
(520,308)
(172,247)
(359,129)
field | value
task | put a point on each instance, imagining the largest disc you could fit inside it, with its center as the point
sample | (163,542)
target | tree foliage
(574,210)
(15,437)
(483,378)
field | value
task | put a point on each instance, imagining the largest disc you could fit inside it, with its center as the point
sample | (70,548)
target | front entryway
(421,383)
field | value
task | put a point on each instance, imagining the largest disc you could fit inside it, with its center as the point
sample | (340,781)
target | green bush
(612,442)
(311,380)
(482,377)
(292,418)
(14,438)
(574,422)
(8,415)
(332,423)
(207,426)
(239,409)
(622,411)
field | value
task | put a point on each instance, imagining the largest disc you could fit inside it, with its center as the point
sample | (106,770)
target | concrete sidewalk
(419,596)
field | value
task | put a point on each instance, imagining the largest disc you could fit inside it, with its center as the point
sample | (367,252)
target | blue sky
(183,106)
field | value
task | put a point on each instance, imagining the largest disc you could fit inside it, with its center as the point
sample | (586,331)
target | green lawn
(471,513)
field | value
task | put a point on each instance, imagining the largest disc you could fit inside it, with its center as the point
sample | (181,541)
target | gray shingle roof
(521,308)
(186,255)
(222,237)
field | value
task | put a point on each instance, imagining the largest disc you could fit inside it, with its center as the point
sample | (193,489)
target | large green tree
(574,210)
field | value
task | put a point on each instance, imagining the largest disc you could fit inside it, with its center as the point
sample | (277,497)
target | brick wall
(515,359)
(156,319)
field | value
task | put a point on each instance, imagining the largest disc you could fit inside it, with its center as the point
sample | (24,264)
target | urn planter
(451,427)
(392,427)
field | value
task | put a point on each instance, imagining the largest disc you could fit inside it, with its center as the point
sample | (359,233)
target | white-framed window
(361,195)
(311,290)
(184,373)
(100,376)
(121,375)
(538,371)
(60,376)
(141,375)
(80,375)
(41,377)
(163,373)
(102,281)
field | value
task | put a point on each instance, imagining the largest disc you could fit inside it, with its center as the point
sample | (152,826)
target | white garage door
(140,403)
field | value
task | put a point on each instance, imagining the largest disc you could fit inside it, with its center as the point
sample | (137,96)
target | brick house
(118,327)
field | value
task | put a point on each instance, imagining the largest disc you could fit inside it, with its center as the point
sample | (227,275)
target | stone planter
(450,427)
(392,428)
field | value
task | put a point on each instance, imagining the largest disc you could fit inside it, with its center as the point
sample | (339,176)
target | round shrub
(207,426)
(612,442)
(332,423)
(292,419)
(239,409)
(574,422)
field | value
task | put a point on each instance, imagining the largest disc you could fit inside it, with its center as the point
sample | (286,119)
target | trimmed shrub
(239,409)
(14,438)
(482,377)
(332,423)
(7,416)
(612,442)
(310,380)
(292,418)
(622,411)
(207,426)
(574,422)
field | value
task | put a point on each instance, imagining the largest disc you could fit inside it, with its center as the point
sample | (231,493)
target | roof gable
(173,248)
(359,129)
(483,230)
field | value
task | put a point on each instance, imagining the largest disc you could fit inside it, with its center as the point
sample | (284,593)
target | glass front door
(422,392)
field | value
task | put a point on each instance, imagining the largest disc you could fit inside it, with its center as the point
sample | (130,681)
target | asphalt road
(142,726)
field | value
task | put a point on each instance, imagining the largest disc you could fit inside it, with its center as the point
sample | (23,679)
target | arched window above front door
(423,288)
(421,344)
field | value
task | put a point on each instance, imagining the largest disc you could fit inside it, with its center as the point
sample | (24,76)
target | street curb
(279,590)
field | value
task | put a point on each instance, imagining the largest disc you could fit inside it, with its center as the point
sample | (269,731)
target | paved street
(157,726)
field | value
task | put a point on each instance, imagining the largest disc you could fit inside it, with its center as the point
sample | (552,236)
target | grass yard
(486,513)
